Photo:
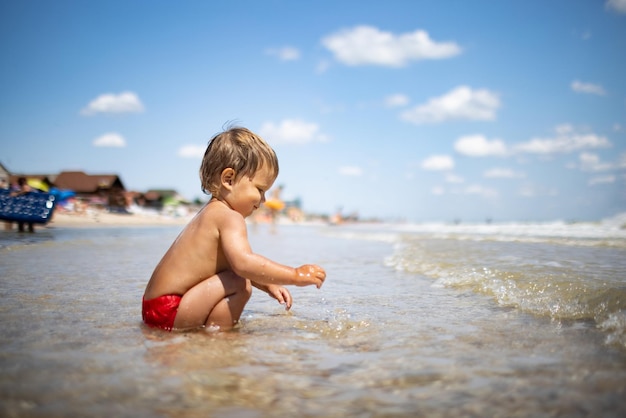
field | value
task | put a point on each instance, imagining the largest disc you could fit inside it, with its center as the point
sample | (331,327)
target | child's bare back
(206,276)
(195,255)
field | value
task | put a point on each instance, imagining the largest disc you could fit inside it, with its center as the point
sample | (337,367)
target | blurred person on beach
(5,185)
(275,206)
(275,203)
(205,278)
(22,188)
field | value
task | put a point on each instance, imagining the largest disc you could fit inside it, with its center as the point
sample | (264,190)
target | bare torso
(195,255)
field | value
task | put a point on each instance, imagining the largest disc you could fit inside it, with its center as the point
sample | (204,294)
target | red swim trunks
(160,312)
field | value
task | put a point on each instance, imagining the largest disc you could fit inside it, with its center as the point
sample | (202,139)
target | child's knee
(238,284)
(243,288)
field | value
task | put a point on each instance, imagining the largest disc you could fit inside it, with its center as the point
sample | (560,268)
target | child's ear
(228,178)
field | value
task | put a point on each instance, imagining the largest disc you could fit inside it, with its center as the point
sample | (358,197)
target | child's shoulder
(219,213)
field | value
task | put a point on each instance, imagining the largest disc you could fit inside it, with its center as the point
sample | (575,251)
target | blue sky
(401,110)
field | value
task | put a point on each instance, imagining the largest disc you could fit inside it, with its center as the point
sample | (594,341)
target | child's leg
(218,300)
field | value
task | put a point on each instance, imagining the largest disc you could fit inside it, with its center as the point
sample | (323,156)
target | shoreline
(103,219)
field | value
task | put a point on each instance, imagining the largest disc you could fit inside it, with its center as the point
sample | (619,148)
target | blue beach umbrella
(61,195)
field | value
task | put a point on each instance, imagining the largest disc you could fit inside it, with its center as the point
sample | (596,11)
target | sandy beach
(106,219)
(94,218)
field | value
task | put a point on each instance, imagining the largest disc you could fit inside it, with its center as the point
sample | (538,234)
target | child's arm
(255,267)
(281,294)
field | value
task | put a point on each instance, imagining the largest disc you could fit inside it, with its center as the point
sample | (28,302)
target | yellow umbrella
(275,204)
(37,184)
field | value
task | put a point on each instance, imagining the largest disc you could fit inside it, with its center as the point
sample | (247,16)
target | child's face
(248,193)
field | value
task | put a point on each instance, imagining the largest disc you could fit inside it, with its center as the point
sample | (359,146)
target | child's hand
(281,294)
(310,274)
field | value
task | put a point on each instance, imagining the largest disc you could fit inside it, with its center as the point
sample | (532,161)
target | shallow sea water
(385,336)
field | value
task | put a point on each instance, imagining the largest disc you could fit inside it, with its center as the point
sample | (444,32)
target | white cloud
(287,53)
(396,100)
(503,173)
(589,88)
(617,5)
(192,151)
(126,102)
(367,45)
(479,146)
(292,131)
(591,162)
(438,163)
(110,139)
(601,180)
(351,171)
(567,140)
(562,144)
(460,103)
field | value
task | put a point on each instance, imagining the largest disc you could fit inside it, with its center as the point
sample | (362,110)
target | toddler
(205,278)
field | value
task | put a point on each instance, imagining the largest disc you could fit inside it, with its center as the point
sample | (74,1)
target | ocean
(433,320)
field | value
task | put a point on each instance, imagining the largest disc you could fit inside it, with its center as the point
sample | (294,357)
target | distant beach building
(159,198)
(105,191)
(96,189)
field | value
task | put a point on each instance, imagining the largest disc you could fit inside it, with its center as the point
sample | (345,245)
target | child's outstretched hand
(281,294)
(310,274)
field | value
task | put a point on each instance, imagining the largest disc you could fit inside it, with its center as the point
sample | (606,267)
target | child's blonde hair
(237,148)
